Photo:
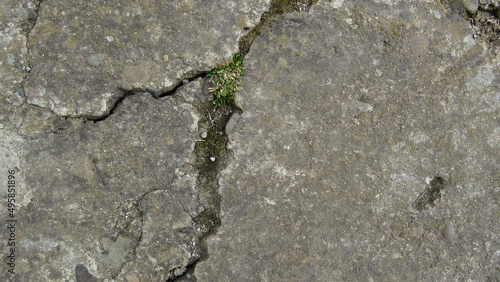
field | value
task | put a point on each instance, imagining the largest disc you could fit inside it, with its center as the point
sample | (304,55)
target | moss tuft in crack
(486,27)
(225,80)
(274,15)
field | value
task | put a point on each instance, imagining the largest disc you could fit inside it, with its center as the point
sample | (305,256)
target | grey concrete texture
(368,150)
(366,147)
(101,194)
(86,54)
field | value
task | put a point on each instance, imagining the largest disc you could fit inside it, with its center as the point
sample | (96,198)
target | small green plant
(225,80)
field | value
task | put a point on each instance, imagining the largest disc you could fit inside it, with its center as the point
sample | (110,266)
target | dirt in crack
(211,156)
(431,193)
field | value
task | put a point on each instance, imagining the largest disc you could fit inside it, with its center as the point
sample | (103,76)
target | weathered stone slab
(16,18)
(367,149)
(97,197)
(84,55)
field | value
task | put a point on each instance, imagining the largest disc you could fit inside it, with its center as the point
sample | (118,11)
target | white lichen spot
(435,13)
(482,81)
(336,4)
(269,201)
(469,42)
(428,180)
(418,137)
(494,139)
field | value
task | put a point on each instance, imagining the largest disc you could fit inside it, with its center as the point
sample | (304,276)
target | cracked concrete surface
(354,158)
(127,46)
(364,145)
(79,180)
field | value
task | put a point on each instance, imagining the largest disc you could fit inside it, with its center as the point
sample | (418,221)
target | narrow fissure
(274,15)
(153,93)
(211,152)
(26,67)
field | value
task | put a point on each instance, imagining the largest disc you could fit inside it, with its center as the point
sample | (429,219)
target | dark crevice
(431,194)
(210,159)
(113,108)
(486,27)
(483,17)
(153,93)
(26,67)
(181,83)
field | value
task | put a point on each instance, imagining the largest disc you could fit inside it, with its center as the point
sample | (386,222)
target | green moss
(225,80)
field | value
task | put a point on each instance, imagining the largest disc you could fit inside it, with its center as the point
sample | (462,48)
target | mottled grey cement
(115,198)
(95,193)
(367,147)
(85,54)
(349,113)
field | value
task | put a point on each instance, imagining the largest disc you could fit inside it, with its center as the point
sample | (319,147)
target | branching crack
(133,205)
(180,202)
(211,154)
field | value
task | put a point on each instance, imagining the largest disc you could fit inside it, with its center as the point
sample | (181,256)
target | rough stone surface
(367,150)
(102,194)
(114,198)
(16,18)
(366,147)
(84,55)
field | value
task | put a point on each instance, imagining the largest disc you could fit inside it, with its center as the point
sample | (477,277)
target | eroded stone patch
(84,56)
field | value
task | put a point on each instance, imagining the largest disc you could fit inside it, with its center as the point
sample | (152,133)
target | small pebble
(200,209)
(449,231)
(204,135)
(20,92)
(232,122)
(212,159)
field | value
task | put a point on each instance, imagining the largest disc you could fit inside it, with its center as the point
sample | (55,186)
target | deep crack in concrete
(154,94)
(211,154)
